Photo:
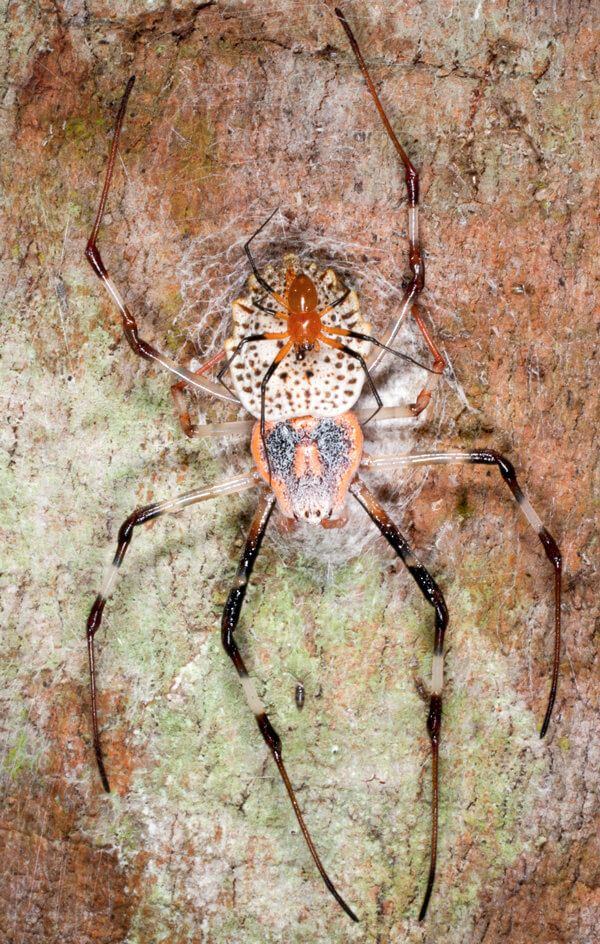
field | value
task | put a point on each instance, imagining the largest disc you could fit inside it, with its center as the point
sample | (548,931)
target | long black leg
(551,549)
(507,471)
(263,392)
(337,302)
(268,311)
(348,350)
(347,333)
(415,257)
(140,516)
(264,284)
(231,615)
(433,595)
(275,336)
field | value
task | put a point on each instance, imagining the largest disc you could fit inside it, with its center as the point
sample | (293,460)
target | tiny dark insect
(307,446)
(300,696)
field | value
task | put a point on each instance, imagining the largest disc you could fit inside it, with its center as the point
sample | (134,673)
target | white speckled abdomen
(324,382)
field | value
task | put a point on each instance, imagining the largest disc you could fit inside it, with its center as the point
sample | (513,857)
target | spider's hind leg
(140,516)
(491,457)
(231,615)
(434,597)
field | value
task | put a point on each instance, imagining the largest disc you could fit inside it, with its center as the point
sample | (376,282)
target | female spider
(298,358)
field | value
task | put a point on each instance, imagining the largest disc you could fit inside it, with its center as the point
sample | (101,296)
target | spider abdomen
(314,379)
(310,463)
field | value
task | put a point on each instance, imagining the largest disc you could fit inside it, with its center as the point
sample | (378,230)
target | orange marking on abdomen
(307,461)
(312,462)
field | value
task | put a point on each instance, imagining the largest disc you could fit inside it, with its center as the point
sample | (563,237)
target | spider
(298,358)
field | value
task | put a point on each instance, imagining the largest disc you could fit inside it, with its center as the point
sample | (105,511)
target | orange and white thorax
(323,381)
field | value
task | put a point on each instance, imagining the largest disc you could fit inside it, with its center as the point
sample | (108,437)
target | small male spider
(298,358)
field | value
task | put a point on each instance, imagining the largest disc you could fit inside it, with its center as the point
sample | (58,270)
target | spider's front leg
(231,615)
(138,345)
(415,256)
(140,516)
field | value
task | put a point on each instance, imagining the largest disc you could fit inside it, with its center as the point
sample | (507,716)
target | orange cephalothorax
(302,295)
(304,321)
(311,463)
(304,317)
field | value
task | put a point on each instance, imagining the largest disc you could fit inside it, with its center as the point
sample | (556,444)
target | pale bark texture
(239,107)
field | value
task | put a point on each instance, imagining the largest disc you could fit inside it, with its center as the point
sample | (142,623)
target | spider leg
(177,389)
(435,372)
(269,311)
(262,282)
(347,350)
(338,301)
(138,345)
(231,615)
(415,257)
(433,595)
(439,364)
(263,391)
(245,427)
(551,549)
(385,413)
(348,333)
(215,430)
(229,486)
(265,336)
